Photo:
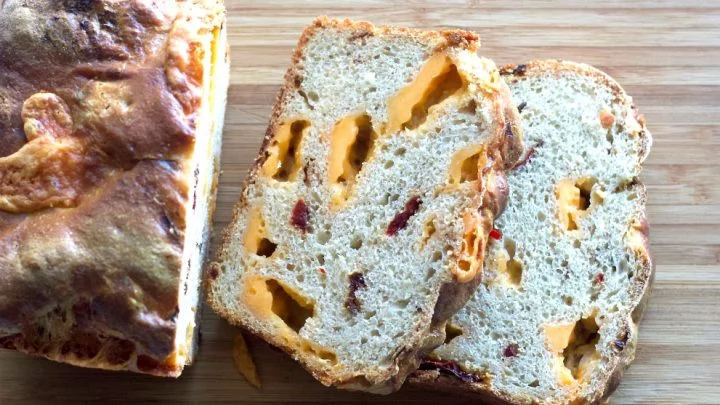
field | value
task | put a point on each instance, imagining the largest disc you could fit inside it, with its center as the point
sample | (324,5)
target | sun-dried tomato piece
(300,216)
(511,350)
(401,219)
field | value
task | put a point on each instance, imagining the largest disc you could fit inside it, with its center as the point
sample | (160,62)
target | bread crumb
(243,361)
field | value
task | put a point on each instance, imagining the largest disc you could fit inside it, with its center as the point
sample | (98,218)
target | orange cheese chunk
(557,336)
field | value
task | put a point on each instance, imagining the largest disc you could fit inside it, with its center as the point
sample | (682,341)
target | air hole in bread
(323,354)
(266,247)
(389,164)
(269,298)
(574,348)
(509,268)
(401,304)
(256,241)
(469,169)
(306,100)
(574,199)
(362,147)
(609,137)
(437,80)
(469,108)
(289,306)
(581,356)
(534,383)
(467,163)
(284,160)
(626,185)
(352,142)
(428,232)
(324,236)
(577,244)
(357,242)
(430,273)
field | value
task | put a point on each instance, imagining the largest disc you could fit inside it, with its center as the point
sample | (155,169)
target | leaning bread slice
(556,318)
(111,118)
(362,226)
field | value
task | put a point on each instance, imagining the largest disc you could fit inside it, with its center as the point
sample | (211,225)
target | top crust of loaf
(503,146)
(432,373)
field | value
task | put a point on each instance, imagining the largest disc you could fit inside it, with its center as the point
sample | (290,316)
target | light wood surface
(665,53)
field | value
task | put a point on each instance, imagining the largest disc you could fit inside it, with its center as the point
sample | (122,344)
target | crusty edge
(451,297)
(644,280)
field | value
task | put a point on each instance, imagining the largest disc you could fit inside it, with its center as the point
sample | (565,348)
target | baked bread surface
(110,122)
(556,318)
(362,226)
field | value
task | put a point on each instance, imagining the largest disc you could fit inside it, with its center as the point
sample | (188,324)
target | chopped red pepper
(599,278)
(496,234)
(322,271)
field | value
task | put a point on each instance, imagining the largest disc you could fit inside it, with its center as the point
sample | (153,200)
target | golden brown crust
(639,294)
(91,238)
(452,295)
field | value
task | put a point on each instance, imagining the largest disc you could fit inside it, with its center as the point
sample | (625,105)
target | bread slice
(567,278)
(362,225)
(111,117)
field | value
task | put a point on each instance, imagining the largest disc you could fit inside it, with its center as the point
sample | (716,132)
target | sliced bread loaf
(362,226)
(566,280)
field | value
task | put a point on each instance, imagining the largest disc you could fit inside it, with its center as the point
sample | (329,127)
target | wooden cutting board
(665,53)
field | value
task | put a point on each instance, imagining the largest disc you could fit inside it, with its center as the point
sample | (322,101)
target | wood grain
(665,53)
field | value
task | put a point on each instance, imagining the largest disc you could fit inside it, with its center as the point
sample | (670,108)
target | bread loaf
(111,118)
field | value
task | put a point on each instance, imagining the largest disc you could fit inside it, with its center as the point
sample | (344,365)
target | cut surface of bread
(362,226)
(111,117)
(556,318)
